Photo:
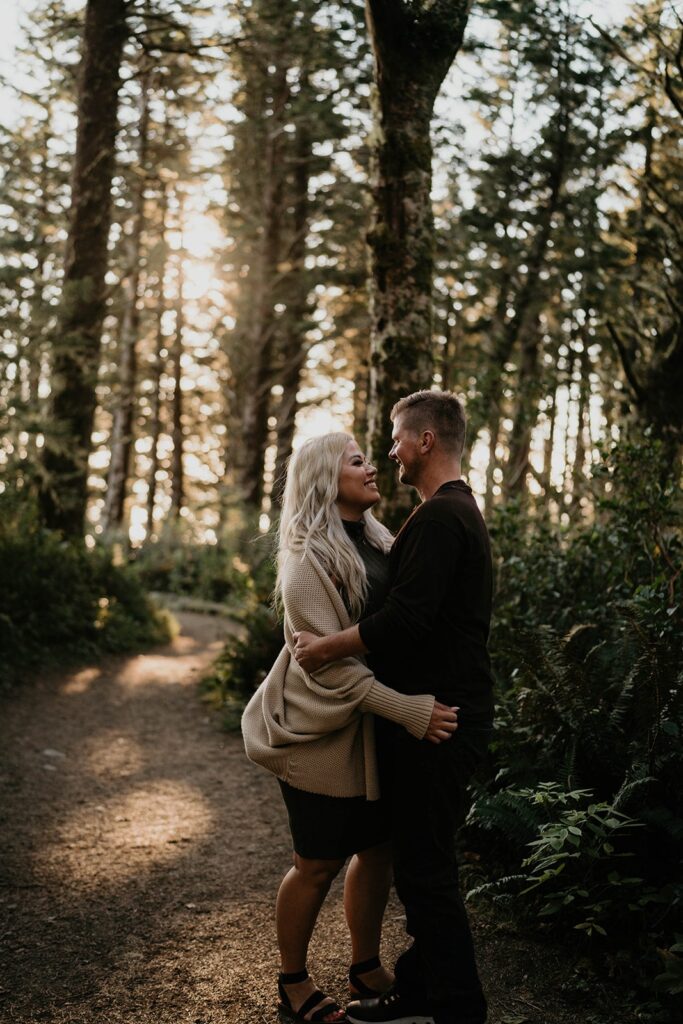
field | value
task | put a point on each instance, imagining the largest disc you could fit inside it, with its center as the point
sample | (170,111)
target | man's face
(406,452)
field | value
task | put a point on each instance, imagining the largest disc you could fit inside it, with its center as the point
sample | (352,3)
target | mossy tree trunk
(122,427)
(293,346)
(261,338)
(76,339)
(414,45)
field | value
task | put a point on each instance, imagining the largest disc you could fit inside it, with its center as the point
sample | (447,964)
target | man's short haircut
(440,411)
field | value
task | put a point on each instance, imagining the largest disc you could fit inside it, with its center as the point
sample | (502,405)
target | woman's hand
(308,651)
(442,724)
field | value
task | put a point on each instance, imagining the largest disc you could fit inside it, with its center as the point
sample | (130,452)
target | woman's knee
(319,873)
(379,856)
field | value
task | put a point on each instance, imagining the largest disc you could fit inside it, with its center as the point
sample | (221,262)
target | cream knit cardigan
(316,731)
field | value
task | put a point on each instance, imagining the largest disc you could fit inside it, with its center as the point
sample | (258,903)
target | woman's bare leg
(366,891)
(301,895)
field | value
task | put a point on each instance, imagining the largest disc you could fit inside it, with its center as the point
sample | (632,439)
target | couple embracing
(376,713)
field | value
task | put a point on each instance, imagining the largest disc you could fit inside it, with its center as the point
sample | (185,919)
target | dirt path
(141,855)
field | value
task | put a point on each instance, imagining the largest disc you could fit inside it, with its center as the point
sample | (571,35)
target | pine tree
(645,317)
(76,338)
(283,209)
(34,194)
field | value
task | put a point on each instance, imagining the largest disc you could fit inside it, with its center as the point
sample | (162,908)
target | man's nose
(392,452)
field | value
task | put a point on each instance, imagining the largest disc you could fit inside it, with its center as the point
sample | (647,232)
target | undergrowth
(61,603)
(581,823)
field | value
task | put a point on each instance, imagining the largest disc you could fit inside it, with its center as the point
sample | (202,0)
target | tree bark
(492,464)
(76,341)
(548,448)
(154,426)
(261,339)
(122,427)
(293,346)
(526,414)
(177,473)
(583,420)
(414,46)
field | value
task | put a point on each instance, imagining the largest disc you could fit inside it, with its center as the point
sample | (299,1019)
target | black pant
(427,787)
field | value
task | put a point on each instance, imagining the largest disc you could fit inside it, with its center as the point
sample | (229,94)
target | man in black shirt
(429,636)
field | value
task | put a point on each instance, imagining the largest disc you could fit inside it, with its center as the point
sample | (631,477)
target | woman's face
(357,488)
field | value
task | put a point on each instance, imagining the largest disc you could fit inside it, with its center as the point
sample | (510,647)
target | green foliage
(578,870)
(587,656)
(60,602)
(671,978)
(247,657)
(237,571)
(244,662)
(212,572)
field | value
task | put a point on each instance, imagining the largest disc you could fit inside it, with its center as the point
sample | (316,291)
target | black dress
(334,827)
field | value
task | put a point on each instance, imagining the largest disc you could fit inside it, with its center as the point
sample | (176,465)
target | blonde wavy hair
(310,522)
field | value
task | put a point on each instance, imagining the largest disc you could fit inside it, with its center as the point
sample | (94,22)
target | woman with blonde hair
(316,733)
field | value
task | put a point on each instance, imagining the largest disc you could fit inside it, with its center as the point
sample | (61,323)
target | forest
(227,228)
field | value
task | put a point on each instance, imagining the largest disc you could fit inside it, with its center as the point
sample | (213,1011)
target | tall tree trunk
(293,346)
(36,343)
(448,352)
(492,464)
(549,445)
(154,425)
(361,388)
(177,474)
(259,379)
(122,427)
(583,415)
(526,414)
(413,47)
(76,341)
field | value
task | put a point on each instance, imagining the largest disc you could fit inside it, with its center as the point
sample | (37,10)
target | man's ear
(428,440)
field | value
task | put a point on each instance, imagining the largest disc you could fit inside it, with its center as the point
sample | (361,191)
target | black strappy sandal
(358,988)
(331,1013)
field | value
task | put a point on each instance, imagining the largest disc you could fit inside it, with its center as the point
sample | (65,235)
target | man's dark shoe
(391,1008)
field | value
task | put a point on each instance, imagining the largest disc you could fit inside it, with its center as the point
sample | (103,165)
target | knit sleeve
(414,712)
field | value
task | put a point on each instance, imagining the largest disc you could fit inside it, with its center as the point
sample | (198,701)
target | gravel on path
(141,853)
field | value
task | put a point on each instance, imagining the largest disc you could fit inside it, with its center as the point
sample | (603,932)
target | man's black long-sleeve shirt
(430,635)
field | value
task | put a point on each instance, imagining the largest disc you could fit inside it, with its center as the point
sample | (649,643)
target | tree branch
(626,362)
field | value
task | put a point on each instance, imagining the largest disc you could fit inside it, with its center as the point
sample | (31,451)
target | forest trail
(142,852)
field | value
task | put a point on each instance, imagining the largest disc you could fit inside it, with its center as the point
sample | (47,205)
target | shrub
(213,572)
(587,657)
(578,870)
(60,602)
(245,662)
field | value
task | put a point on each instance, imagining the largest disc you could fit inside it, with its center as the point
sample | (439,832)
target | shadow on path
(141,854)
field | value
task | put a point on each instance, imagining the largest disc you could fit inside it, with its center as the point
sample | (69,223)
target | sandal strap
(365,965)
(293,978)
(312,1001)
(331,1012)
(358,986)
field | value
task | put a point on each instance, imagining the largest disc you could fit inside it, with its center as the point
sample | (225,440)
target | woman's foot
(298,1003)
(369,979)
